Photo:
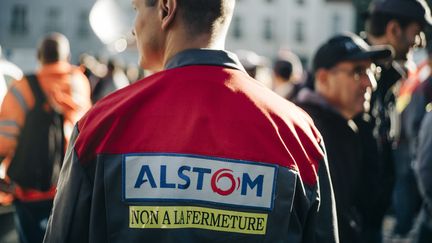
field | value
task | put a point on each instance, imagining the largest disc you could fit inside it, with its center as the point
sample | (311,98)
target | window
(83,29)
(237,32)
(53,19)
(18,23)
(268,29)
(336,23)
(299,31)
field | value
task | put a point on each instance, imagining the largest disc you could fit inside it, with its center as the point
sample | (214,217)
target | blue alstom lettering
(247,181)
(163,179)
(145,175)
(184,177)
(145,172)
(201,172)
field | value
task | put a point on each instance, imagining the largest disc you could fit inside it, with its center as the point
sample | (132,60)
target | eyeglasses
(358,72)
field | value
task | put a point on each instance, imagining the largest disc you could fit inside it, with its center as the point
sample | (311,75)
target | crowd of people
(202,151)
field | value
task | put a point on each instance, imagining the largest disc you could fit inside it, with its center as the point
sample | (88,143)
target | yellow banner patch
(175,217)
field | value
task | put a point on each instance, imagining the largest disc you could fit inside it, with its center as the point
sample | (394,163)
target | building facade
(25,22)
(265,26)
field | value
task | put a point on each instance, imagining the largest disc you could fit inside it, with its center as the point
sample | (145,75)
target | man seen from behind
(66,91)
(197,152)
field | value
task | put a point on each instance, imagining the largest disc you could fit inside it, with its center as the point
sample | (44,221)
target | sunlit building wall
(25,22)
(265,26)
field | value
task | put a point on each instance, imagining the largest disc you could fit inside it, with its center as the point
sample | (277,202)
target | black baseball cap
(417,10)
(347,47)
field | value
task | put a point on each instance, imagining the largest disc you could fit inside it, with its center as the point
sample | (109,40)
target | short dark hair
(283,68)
(54,48)
(376,23)
(150,2)
(202,16)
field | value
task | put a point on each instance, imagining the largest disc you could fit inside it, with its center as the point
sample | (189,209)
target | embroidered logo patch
(168,177)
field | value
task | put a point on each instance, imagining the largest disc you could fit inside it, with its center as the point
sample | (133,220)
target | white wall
(317,17)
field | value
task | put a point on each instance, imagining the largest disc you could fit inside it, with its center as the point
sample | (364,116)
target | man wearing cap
(343,74)
(398,23)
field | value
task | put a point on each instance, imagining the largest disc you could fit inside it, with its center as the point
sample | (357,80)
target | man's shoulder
(110,105)
(78,73)
(310,107)
(104,113)
(154,92)
(302,115)
(181,107)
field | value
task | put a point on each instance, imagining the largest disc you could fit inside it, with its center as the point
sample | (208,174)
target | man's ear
(168,10)
(39,55)
(393,30)
(321,75)
(321,78)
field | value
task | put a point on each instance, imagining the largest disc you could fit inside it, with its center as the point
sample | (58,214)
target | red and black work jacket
(199,152)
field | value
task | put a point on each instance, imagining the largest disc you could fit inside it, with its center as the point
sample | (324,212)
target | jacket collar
(307,96)
(209,57)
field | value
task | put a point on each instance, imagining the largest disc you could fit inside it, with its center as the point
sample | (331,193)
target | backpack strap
(20,99)
(39,95)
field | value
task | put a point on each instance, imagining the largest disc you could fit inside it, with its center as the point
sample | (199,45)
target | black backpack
(40,149)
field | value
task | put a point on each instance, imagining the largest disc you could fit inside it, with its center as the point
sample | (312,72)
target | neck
(373,40)
(346,115)
(330,101)
(180,42)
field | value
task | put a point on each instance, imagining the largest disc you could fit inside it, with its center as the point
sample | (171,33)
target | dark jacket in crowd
(378,133)
(415,111)
(344,157)
(423,165)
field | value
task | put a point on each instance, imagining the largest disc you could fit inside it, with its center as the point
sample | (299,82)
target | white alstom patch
(172,177)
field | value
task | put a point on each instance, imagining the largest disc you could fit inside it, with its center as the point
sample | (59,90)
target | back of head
(283,69)
(54,48)
(204,16)
(376,23)
(288,66)
(381,12)
(250,60)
